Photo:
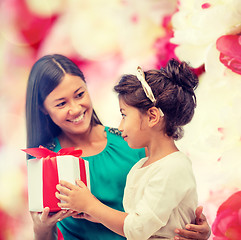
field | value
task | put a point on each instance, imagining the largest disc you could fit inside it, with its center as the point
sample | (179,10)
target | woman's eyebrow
(77,89)
(60,99)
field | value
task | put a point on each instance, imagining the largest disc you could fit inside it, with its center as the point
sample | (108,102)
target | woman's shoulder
(115,140)
(113,131)
(51,145)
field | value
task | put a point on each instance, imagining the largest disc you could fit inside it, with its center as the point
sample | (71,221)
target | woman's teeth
(78,118)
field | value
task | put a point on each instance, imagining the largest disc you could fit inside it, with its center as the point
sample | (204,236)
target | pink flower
(31,27)
(8,225)
(165,50)
(227,225)
(230,51)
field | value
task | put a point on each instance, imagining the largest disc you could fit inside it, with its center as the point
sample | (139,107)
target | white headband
(147,89)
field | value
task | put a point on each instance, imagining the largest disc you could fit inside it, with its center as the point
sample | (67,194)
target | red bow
(43,152)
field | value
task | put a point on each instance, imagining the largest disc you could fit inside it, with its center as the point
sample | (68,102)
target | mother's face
(69,105)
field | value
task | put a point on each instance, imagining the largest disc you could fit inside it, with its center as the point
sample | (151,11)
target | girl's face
(133,126)
(69,105)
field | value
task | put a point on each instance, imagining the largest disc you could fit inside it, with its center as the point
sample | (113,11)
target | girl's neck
(160,148)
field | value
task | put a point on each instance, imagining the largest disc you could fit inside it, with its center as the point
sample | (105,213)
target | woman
(59,114)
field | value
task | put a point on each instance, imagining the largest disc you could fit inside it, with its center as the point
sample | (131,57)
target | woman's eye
(80,94)
(60,104)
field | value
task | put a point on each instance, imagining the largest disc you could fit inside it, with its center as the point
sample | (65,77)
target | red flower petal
(233,203)
(206,5)
(231,63)
(32,28)
(234,233)
(230,45)
(230,51)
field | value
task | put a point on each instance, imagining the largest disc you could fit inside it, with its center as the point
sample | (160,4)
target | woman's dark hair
(46,74)
(173,88)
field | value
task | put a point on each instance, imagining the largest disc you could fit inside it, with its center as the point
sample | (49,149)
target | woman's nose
(74,108)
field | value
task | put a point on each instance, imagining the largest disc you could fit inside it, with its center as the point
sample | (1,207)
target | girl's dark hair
(46,74)
(173,88)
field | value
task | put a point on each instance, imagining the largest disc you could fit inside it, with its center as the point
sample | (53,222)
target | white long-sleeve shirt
(159,198)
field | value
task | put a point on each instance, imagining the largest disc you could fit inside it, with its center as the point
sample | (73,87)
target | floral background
(107,38)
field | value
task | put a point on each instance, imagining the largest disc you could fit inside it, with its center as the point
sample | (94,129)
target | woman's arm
(44,226)
(199,231)
(80,199)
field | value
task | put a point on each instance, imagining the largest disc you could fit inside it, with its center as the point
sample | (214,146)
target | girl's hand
(45,224)
(77,198)
(200,231)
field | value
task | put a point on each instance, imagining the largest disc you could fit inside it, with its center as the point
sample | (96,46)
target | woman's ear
(43,110)
(153,116)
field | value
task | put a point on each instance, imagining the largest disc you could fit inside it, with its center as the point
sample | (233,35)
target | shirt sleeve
(163,192)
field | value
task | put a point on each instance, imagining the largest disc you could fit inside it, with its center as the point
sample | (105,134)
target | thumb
(199,215)
(199,211)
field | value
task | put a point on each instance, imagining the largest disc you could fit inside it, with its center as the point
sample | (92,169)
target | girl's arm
(80,199)
(44,226)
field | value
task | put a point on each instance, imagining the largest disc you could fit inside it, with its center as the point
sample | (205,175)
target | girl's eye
(79,94)
(123,115)
(60,104)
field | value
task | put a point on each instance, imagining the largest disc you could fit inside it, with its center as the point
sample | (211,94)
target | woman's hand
(200,231)
(45,224)
(86,217)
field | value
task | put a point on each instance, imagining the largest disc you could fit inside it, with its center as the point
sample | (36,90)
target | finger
(198,212)
(73,213)
(63,205)
(61,196)
(60,215)
(181,238)
(45,213)
(62,189)
(185,234)
(79,215)
(195,228)
(66,184)
(80,183)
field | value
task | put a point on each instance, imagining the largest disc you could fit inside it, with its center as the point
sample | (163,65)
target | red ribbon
(50,180)
(43,152)
(50,172)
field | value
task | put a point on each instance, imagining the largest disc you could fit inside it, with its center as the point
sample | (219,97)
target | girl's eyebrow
(61,99)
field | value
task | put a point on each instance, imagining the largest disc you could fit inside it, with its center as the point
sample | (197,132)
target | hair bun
(180,74)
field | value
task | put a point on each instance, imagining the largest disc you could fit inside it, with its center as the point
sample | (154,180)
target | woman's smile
(78,119)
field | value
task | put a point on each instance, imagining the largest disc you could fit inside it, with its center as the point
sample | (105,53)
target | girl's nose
(120,128)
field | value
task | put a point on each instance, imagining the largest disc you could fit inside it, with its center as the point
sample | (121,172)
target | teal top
(108,171)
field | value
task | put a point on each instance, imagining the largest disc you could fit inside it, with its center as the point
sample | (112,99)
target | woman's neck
(91,142)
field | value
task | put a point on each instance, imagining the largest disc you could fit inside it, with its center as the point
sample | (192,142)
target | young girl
(59,114)
(160,193)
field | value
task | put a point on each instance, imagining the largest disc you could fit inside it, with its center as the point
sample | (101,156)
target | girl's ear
(153,116)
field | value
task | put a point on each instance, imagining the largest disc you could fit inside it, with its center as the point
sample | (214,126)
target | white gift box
(45,173)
